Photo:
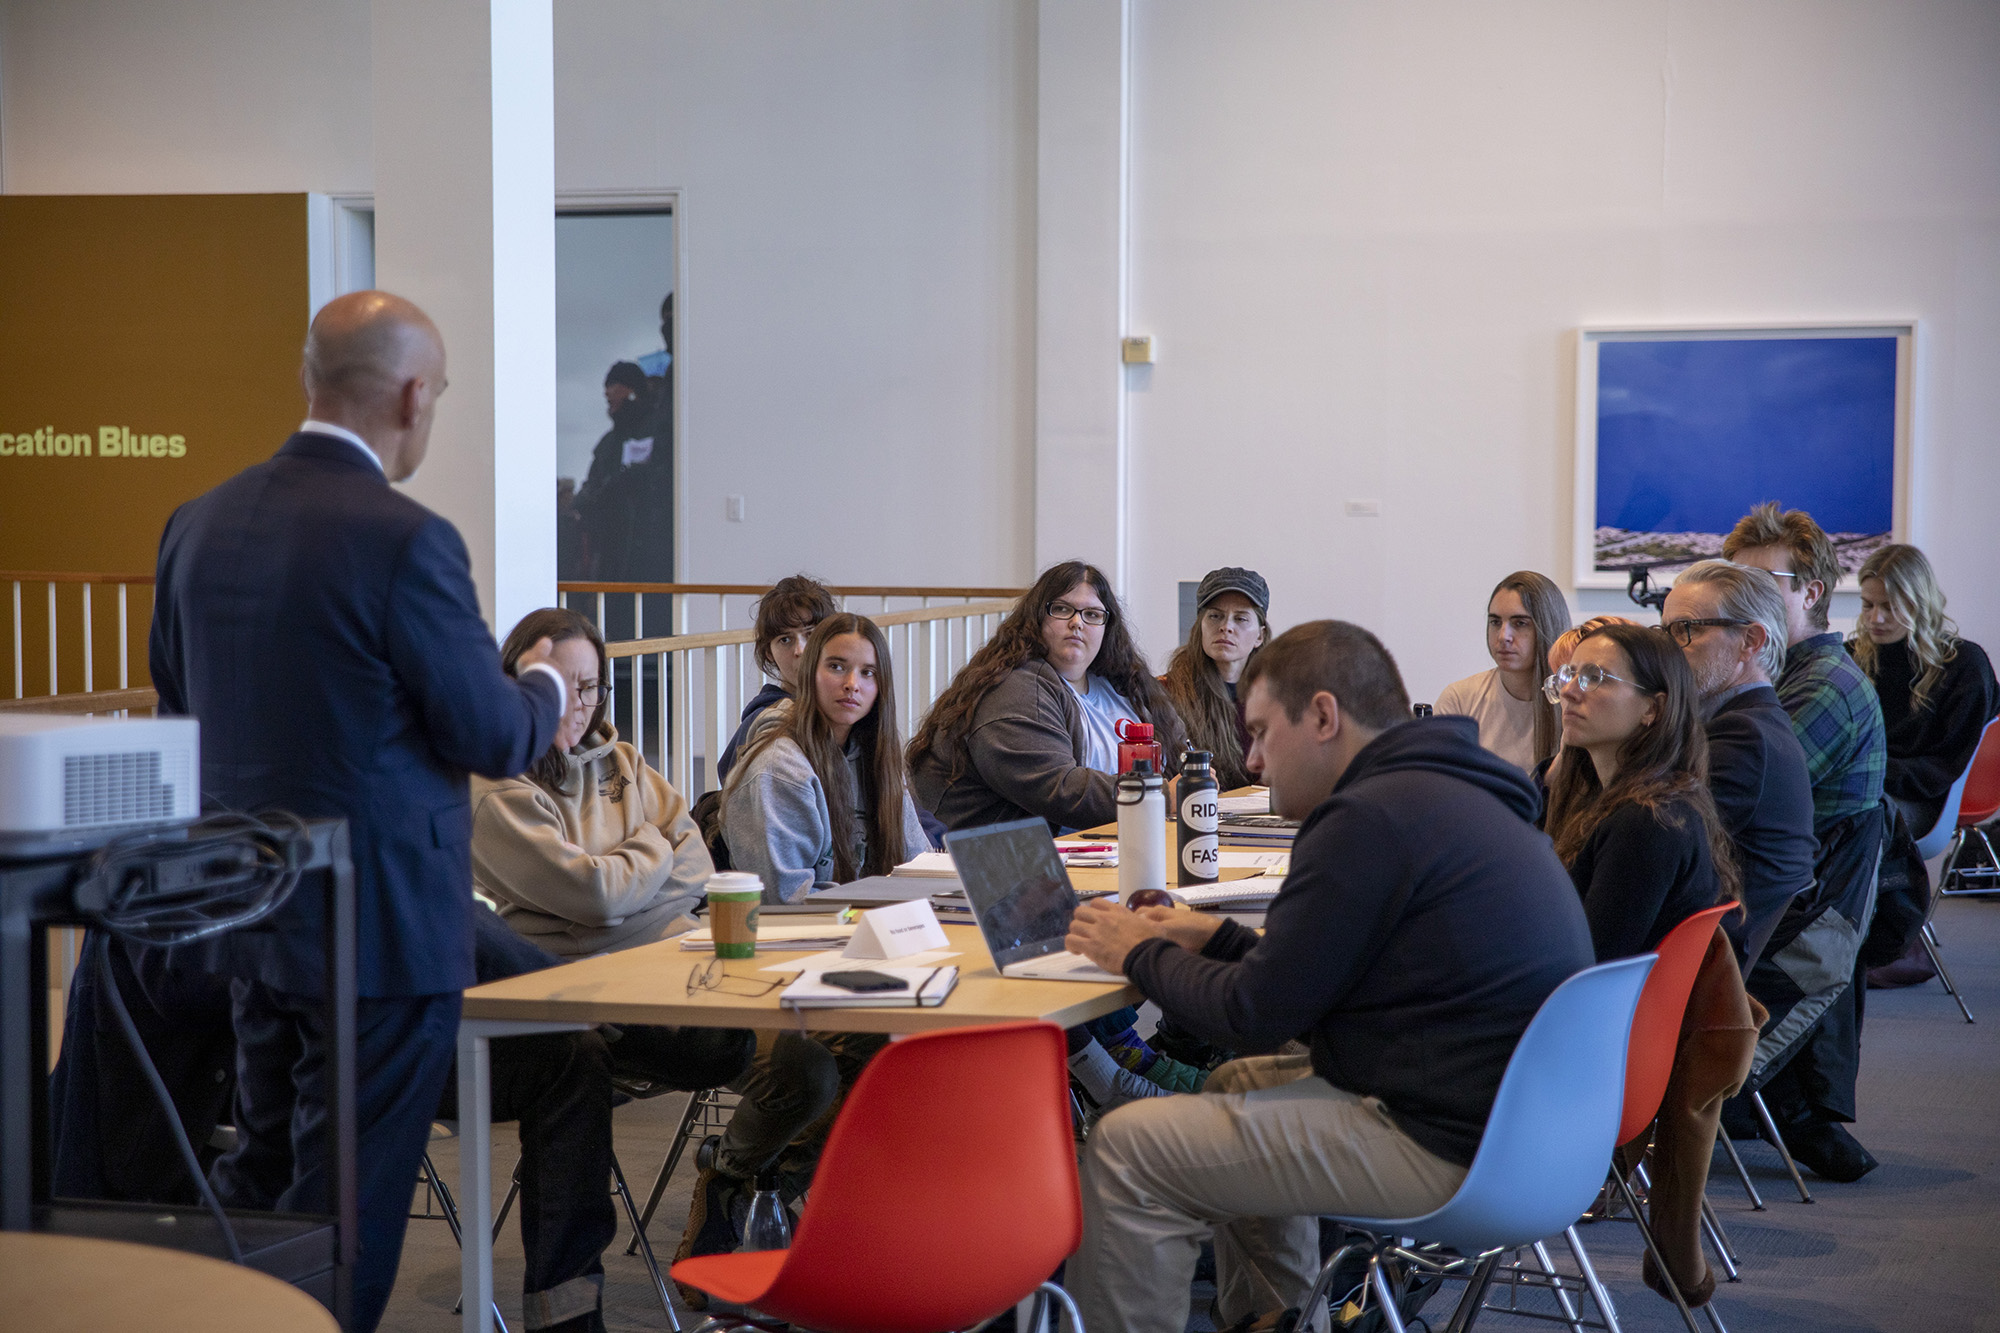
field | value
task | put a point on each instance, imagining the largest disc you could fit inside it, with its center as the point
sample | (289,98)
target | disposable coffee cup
(733,899)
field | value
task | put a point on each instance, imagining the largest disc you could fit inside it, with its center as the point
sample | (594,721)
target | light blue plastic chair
(1548,1141)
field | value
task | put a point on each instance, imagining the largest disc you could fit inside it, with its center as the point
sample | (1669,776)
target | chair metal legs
(442,1193)
(1659,1261)
(1778,1142)
(645,1246)
(1711,1226)
(1929,937)
(1590,1279)
(1951,882)
(699,1104)
(1735,1160)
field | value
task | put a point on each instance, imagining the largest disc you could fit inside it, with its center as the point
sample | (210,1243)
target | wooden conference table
(74,1284)
(649,984)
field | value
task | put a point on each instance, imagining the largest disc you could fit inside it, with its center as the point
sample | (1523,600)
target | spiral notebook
(928,988)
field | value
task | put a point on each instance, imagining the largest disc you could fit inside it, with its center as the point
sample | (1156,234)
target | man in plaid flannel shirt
(1810,1052)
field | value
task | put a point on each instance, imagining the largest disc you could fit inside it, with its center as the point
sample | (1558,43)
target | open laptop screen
(1019,891)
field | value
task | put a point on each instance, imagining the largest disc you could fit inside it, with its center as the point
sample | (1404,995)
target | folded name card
(896,930)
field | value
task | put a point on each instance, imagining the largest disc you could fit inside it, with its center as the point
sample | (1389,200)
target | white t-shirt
(1506,724)
(1103,709)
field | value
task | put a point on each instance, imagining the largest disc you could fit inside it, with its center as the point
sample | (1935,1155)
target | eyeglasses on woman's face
(1090,615)
(1682,631)
(589,693)
(1586,678)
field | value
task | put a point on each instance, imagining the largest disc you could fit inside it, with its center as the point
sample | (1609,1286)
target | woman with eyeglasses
(1029,726)
(1028,729)
(1629,808)
(1525,615)
(1937,688)
(1231,606)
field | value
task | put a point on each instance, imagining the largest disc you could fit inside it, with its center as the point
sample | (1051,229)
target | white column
(1082,139)
(464,117)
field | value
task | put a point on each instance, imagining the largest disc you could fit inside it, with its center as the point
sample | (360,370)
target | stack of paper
(1254,802)
(926,989)
(781,939)
(927,865)
(1256,830)
(1254,892)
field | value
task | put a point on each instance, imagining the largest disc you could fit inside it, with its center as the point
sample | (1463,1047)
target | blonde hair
(1564,647)
(1918,603)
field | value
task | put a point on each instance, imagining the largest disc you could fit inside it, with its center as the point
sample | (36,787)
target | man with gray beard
(1730,621)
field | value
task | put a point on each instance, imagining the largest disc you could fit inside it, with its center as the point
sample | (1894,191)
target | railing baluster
(87,628)
(681,770)
(124,678)
(660,755)
(18,692)
(53,687)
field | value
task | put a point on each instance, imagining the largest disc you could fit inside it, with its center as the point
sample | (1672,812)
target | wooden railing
(91,637)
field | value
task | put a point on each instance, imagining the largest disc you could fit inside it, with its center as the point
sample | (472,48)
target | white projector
(68,783)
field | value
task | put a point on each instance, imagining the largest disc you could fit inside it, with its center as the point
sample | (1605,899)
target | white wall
(1361,234)
(1363,231)
(857,221)
(187,97)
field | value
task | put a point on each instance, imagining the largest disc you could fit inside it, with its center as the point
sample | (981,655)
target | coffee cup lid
(734,881)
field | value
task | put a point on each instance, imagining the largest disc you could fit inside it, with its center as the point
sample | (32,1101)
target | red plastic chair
(1979,803)
(947,1192)
(1649,1063)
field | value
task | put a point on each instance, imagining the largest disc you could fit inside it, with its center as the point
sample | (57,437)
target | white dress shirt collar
(311,427)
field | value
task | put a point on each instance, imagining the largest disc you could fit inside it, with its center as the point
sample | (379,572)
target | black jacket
(1641,873)
(1424,921)
(1757,774)
(1929,747)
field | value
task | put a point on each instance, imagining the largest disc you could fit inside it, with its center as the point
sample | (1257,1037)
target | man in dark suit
(1730,620)
(324,629)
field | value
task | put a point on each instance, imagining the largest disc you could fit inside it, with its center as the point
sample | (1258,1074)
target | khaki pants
(1258,1155)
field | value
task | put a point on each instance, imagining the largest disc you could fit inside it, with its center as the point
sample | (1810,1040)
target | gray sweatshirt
(1021,756)
(775,821)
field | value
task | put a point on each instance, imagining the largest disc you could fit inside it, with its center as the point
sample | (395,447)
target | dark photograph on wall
(615,406)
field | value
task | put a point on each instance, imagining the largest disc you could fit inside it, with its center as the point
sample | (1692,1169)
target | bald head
(374,363)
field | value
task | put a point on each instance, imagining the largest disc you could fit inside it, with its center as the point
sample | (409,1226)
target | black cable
(162,888)
(165,1099)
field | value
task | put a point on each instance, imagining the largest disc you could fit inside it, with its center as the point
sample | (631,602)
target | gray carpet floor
(1910,1247)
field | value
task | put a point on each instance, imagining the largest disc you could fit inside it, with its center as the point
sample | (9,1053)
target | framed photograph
(1681,430)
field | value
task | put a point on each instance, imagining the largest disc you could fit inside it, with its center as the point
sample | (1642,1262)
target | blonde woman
(1937,689)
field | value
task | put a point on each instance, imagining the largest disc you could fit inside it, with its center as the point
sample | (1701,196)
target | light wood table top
(649,984)
(75,1284)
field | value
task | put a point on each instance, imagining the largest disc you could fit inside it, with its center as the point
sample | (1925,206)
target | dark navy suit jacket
(1757,773)
(324,629)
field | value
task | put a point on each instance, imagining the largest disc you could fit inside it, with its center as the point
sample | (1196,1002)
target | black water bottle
(1200,806)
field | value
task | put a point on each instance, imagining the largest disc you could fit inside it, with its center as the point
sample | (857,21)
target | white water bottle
(1142,831)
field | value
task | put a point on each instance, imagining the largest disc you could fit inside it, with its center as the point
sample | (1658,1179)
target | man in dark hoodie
(1423,923)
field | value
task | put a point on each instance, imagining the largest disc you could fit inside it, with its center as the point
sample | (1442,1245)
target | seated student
(819,798)
(1729,620)
(1629,811)
(1230,625)
(1028,728)
(1936,689)
(786,616)
(1524,616)
(1409,962)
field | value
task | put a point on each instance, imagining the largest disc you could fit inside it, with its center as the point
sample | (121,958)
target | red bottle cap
(1128,730)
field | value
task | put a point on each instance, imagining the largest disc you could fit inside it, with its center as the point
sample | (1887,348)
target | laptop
(1022,900)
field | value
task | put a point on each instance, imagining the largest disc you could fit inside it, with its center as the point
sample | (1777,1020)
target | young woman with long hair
(786,618)
(1231,622)
(818,796)
(1525,615)
(1028,728)
(1937,688)
(1629,808)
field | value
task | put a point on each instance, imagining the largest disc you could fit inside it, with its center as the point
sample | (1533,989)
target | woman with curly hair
(1029,726)
(1629,808)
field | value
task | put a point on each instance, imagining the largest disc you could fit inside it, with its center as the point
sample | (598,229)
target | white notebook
(927,989)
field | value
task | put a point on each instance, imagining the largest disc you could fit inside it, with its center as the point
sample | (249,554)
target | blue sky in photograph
(1692,432)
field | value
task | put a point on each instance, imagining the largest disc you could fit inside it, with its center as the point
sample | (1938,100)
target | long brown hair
(807,726)
(1195,686)
(1916,600)
(1019,640)
(1544,603)
(1657,764)
(559,624)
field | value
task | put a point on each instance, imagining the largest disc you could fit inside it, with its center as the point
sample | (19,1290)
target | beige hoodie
(610,859)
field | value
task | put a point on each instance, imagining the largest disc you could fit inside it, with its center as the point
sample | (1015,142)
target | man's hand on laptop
(1105,933)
